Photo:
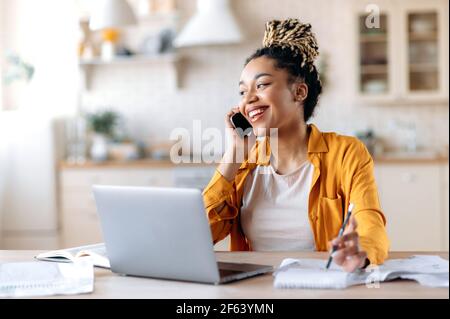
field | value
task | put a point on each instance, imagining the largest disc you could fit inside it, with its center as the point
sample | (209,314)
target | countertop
(140,163)
(387,158)
(110,285)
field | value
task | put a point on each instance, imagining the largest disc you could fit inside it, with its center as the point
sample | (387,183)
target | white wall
(210,75)
(43,33)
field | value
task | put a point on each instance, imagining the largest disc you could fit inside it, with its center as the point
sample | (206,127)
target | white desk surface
(110,285)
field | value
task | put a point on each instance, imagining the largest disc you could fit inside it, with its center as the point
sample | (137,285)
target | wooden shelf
(388,100)
(423,67)
(171,59)
(133,59)
(364,38)
(374,69)
(429,36)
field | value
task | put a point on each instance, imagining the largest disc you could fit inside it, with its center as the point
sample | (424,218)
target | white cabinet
(79,220)
(78,216)
(401,51)
(411,196)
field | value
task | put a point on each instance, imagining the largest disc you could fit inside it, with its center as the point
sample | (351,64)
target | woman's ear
(300,91)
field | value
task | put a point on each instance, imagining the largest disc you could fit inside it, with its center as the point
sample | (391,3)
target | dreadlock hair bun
(293,47)
(293,34)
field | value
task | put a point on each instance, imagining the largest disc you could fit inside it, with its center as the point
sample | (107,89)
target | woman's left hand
(348,253)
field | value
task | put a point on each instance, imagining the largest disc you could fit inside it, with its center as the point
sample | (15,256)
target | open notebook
(430,271)
(97,252)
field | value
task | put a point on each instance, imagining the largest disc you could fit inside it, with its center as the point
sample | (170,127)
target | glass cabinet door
(373,57)
(423,49)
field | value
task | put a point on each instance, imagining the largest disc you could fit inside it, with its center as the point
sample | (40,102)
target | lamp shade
(111,14)
(213,23)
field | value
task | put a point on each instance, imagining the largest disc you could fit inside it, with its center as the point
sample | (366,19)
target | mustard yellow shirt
(343,173)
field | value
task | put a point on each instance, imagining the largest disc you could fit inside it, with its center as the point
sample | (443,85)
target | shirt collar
(260,153)
(316,142)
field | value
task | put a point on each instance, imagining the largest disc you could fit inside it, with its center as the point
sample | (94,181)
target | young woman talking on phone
(296,200)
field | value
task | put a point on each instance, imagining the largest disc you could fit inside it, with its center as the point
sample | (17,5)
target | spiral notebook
(427,270)
(39,278)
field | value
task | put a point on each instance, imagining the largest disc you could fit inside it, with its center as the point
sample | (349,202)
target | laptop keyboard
(227,272)
(230,269)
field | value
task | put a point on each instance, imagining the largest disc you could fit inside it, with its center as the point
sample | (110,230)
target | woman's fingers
(350,258)
(355,261)
(227,120)
(341,255)
(350,239)
(233,111)
(347,253)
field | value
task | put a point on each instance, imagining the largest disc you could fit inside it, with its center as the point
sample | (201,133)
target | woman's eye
(241,93)
(261,85)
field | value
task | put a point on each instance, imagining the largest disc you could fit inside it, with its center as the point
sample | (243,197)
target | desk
(110,285)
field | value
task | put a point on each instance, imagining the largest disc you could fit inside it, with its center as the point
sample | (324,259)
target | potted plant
(102,124)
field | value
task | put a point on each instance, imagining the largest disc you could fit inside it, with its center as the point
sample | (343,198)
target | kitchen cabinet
(79,221)
(402,59)
(78,216)
(414,198)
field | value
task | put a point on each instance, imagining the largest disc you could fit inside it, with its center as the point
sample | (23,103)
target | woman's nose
(249,98)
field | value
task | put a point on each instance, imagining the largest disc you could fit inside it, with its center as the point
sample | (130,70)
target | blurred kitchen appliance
(213,23)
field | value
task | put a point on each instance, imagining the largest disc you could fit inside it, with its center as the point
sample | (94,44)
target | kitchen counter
(406,158)
(411,158)
(140,163)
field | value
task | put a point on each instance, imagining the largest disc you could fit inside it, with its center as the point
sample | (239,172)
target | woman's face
(268,100)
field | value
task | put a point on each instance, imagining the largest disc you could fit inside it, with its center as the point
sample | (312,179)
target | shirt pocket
(331,215)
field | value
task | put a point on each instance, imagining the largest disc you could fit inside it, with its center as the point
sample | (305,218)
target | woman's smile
(255,113)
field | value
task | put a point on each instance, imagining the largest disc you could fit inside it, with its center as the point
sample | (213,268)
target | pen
(341,231)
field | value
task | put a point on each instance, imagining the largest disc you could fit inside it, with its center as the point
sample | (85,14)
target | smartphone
(244,128)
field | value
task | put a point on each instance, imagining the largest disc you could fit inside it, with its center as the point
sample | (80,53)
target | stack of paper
(27,279)
(430,271)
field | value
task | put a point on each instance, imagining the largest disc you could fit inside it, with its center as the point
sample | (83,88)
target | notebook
(97,252)
(37,278)
(427,270)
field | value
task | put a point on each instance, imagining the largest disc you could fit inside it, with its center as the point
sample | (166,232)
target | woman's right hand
(236,144)
(237,148)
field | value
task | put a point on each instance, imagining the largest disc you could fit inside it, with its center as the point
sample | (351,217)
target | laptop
(163,233)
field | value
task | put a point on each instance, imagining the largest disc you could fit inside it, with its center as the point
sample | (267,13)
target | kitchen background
(386,85)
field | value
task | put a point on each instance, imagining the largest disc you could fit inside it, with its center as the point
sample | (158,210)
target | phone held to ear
(242,126)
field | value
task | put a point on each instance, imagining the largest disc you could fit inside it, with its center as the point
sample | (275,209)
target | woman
(297,199)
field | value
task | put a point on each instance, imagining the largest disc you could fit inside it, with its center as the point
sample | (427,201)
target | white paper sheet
(33,279)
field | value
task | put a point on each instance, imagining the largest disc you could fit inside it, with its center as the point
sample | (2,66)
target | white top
(274,212)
